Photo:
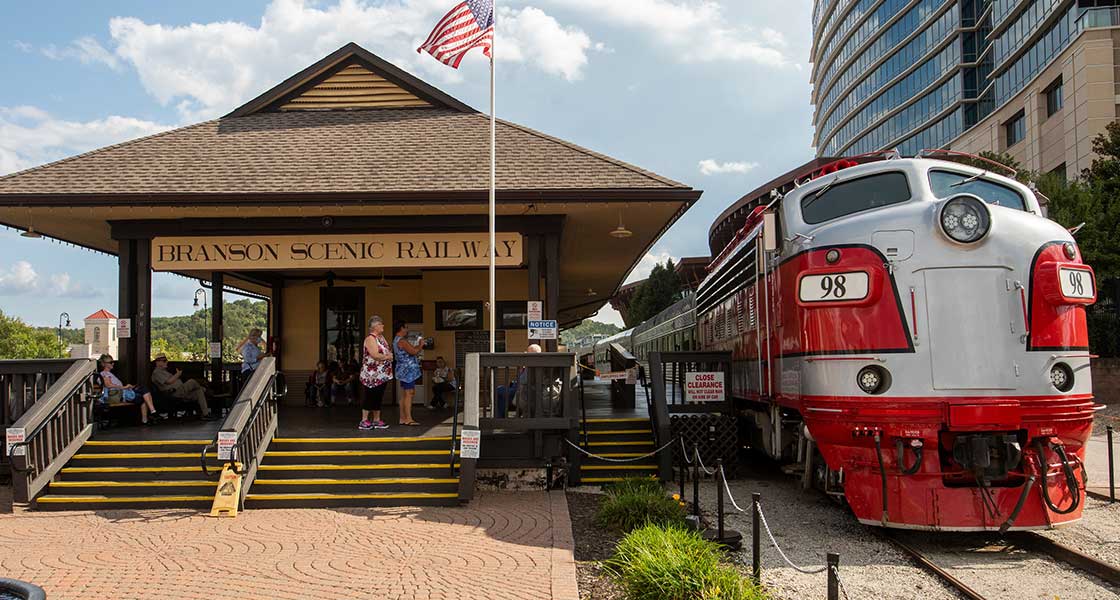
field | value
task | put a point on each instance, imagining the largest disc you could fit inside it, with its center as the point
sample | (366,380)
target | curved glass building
(914,74)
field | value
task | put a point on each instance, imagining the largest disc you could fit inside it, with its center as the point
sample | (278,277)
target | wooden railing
(252,422)
(668,377)
(23,382)
(53,429)
(530,398)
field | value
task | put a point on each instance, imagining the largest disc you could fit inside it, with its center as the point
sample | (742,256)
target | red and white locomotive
(922,324)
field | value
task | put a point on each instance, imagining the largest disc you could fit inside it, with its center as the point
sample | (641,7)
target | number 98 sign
(833,287)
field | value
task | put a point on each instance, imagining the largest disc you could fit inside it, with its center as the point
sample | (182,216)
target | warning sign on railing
(13,436)
(226,441)
(470,444)
(704,387)
(630,376)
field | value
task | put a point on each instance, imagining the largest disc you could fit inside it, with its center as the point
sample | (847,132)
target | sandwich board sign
(543,329)
(228,493)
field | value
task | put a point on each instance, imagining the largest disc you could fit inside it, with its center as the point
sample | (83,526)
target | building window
(96,335)
(1054,98)
(513,314)
(1059,172)
(1015,129)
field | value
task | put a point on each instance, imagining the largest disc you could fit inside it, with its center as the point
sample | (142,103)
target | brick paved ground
(501,546)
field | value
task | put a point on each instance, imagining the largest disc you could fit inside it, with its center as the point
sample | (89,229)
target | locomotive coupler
(989,456)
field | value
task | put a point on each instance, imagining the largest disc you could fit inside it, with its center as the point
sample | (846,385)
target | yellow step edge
(95,499)
(354,453)
(374,481)
(144,442)
(620,420)
(619,431)
(617,467)
(129,469)
(624,443)
(372,496)
(126,455)
(382,467)
(602,479)
(362,440)
(620,454)
(85,484)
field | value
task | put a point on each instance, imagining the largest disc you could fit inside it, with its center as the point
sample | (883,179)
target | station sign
(535,310)
(470,443)
(124,328)
(543,330)
(350,251)
(704,387)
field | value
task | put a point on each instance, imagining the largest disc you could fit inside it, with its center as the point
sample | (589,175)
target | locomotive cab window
(857,195)
(951,183)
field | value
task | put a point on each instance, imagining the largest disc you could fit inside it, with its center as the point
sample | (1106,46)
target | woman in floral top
(377,372)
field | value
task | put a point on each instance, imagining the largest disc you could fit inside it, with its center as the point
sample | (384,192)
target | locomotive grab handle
(1023,299)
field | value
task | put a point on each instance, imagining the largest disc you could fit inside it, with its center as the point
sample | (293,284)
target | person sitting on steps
(172,384)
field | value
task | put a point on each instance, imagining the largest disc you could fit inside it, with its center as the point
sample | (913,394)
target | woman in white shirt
(127,393)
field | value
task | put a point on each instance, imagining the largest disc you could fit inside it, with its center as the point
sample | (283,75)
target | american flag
(468,25)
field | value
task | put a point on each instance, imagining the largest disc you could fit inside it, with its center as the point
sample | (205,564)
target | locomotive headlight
(965,218)
(1061,377)
(873,380)
(1070,250)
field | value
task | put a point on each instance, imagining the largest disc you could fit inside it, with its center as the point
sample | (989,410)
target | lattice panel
(716,436)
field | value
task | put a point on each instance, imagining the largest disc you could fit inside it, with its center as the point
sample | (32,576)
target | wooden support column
(533,256)
(217,303)
(552,283)
(126,306)
(276,328)
(142,320)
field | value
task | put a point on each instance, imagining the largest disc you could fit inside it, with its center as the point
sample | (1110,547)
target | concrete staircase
(618,438)
(357,471)
(133,474)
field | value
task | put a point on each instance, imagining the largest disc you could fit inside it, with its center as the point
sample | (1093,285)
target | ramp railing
(692,401)
(51,430)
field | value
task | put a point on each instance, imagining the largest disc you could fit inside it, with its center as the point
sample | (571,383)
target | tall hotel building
(1035,78)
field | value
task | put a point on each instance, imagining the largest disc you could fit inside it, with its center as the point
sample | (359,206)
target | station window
(857,195)
(96,334)
(1015,129)
(1054,97)
(513,314)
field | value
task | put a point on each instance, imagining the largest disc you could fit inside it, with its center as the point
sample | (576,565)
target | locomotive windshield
(950,183)
(833,201)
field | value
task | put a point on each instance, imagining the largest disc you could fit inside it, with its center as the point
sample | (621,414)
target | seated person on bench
(114,390)
(172,384)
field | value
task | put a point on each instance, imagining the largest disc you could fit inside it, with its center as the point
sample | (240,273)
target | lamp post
(206,337)
(62,316)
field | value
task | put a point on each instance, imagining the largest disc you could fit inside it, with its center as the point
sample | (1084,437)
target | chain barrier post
(696,484)
(719,481)
(833,576)
(756,554)
(682,468)
(1111,468)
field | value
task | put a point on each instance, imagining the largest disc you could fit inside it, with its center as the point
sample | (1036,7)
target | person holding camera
(171,383)
(407,362)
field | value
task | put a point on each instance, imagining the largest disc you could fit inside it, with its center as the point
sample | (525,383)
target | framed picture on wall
(451,316)
(513,314)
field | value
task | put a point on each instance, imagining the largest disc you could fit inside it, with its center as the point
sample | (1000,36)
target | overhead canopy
(354,135)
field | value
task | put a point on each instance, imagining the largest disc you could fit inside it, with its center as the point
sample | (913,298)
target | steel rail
(925,563)
(1070,556)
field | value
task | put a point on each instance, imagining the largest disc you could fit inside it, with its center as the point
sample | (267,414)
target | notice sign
(543,330)
(226,442)
(124,328)
(704,387)
(215,349)
(470,442)
(535,310)
(13,436)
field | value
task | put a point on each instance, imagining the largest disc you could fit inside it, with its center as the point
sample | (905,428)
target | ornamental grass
(637,501)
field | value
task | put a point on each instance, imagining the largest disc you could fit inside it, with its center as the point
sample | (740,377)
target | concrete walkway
(502,546)
(1096,462)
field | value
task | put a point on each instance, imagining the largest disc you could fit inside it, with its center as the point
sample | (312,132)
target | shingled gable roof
(269,150)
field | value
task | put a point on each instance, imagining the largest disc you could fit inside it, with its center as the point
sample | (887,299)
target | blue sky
(711,93)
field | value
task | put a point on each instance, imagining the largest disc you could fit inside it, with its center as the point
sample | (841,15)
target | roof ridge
(591,153)
(103,149)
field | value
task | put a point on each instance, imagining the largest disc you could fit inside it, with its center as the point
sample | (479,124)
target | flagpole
(493,190)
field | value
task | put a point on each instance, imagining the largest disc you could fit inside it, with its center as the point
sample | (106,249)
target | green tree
(587,327)
(18,340)
(655,294)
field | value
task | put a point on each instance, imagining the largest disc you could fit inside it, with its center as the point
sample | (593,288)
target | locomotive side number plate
(1076,283)
(834,287)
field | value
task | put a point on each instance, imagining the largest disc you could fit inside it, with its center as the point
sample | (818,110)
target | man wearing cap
(172,384)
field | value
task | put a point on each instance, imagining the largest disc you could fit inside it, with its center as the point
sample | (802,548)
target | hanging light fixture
(30,233)
(383,285)
(591,293)
(621,232)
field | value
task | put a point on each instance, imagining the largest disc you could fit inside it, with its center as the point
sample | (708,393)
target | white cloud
(22,279)
(712,167)
(29,136)
(22,46)
(694,30)
(207,69)
(87,50)
(62,286)
(646,265)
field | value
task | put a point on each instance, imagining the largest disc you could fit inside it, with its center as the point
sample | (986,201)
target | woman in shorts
(376,373)
(407,369)
(127,393)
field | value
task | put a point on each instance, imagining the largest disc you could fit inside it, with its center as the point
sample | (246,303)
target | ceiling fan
(329,278)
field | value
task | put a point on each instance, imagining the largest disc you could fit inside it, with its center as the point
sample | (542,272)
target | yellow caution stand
(228,493)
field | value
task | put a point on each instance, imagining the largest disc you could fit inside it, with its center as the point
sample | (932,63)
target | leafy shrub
(637,501)
(673,563)
(1104,332)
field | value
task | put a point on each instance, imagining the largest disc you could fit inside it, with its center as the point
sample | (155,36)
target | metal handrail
(61,434)
(455,422)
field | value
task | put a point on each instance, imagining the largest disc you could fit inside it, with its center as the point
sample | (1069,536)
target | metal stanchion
(695,484)
(1111,468)
(833,576)
(756,554)
(682,468)
(719,502)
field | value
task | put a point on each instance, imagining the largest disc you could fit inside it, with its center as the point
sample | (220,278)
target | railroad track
(1107,573)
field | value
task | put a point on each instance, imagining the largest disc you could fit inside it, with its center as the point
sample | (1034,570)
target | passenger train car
(923,324)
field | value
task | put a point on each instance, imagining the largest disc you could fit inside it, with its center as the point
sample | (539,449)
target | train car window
(945,184)
(850,197)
